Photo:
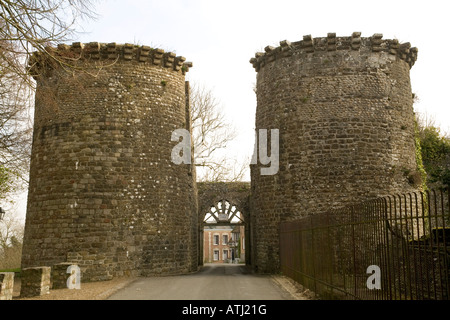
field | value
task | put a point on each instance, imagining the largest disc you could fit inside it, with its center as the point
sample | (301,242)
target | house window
(224,239)
(225,255)
(216,239)
(216,255)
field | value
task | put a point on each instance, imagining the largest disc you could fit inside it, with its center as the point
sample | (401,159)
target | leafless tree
(27,26)
(426,120)
(211,134)
(225,170)
(15,132)
(11,237)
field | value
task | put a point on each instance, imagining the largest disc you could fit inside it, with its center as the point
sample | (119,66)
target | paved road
(212,282)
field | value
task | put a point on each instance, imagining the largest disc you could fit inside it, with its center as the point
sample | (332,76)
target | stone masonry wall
(343,107)
(35,281)
(6,285)
(103,192)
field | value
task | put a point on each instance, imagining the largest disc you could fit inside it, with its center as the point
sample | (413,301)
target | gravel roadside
(89,291)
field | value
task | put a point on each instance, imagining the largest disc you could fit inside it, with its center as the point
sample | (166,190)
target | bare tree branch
(212,133)
(27,26)
(11,236)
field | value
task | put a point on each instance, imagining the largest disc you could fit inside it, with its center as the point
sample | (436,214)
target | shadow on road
(224,269)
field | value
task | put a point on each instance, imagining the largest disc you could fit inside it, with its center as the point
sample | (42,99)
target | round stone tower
(343,108)
(104,192)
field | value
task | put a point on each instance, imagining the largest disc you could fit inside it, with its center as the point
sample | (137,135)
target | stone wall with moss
(103,191)
(343,107)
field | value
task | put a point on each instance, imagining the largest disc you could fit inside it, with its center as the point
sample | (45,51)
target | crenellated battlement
(108,53)
(329,43)
(344,112)
(102,159)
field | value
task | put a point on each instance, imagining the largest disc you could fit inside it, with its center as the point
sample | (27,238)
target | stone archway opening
(224,235)
(224,206)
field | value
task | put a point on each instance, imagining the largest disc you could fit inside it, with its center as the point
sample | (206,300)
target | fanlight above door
(224,212)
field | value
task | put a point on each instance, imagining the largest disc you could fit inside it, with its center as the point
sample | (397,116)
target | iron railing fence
(392,248)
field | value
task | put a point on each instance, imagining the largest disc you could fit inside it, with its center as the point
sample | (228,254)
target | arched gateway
(222,204)
(105,193)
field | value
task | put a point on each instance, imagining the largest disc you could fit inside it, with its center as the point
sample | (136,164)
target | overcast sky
(220,37)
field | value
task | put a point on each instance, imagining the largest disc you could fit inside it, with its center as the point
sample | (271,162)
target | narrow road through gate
(212,282)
